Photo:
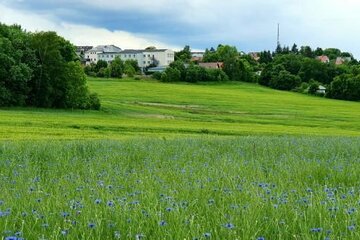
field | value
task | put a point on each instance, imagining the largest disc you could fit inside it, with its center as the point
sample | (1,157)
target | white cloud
(323,23)
(78,34)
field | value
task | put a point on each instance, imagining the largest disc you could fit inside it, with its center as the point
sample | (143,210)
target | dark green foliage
(17,63)
(117,68)
(100,64)
(183,55)
(306,51)
(157,75)
(346,87)
(265,57)
(133,63)
(313,87)
(171,75)
(180,66)
(332,53)
(40,70)
(195,73)
(238,70)
(285,81)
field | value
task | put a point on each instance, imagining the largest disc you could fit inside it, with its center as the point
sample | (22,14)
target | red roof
(212,65)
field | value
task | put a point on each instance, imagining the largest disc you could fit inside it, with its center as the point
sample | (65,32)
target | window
(112,56)
(144,62)
(144,56)
(148,55)
(148,62)
(125,55)
(134,55)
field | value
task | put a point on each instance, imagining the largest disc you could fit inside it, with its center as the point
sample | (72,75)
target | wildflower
(117,234)
(316,230)
(207,235)
(229,225)
(65,214)
(169,209)
(64,232)
(13,238)
(260,238)
(351,227)
(110,203)
(139,236)
(91,225)
(162,223)
(97,201)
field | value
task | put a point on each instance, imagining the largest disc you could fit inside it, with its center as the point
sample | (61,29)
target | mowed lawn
(149,108)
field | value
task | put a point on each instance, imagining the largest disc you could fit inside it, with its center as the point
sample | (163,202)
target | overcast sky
(250,25)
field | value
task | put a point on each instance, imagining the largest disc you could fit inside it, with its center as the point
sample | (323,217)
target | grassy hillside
(132,107)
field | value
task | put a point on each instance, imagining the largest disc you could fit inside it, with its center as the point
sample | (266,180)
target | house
(197,56)
(102,52)
(144,57)
(255,55)
(321,90)
(323,59)
(212,65)
(342,60)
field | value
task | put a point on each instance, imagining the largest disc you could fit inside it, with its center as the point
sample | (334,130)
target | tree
(171,75)
(100,64)
(319,52)
(180,66)
(184,55)
(17,63)
(285,81)
(117,68)
(294,49)
(332,53)
(134,64)
(129,70)
(58,81)
(306,51)
(346,87)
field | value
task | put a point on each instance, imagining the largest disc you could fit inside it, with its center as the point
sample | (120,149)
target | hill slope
(146,108)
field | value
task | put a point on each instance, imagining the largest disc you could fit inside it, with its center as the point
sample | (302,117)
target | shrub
(93,102)
(157,75)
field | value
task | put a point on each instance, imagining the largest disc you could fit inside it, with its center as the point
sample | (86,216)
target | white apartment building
(108,51)
(145,58)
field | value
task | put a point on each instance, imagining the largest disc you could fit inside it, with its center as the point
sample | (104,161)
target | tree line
(41,70)
(115,69)
(292,69)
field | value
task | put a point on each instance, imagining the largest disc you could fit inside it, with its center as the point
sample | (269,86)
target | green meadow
(182,161)
(149,108)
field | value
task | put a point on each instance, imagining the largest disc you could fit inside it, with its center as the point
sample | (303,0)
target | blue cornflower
(13,238)
(351,227)
(91,225)
(64,232)
(169,209)
(162,223)
(260,238)
(229,225)
(97,201)
(207,235)
(110,203)
(316,230)
(65,214)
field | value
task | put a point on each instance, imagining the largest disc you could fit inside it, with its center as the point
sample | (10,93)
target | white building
(144,58)
(108,52)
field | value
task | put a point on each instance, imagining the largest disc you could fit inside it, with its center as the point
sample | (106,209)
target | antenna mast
(278,34)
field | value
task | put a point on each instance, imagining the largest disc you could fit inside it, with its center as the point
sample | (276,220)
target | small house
(321,89)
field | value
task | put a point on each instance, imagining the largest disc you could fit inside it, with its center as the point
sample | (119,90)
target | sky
(250,25)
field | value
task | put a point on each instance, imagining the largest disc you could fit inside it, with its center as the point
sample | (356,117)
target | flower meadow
(185,188)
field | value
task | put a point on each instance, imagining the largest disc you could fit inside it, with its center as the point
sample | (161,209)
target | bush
(346,87)
(156,75)
(93,102)
(285,81)
(171,75)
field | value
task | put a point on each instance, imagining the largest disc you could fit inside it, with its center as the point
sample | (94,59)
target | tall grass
(205,188)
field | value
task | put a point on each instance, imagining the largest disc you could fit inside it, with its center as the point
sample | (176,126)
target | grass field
(182,161)
(206,188)
(149,108)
